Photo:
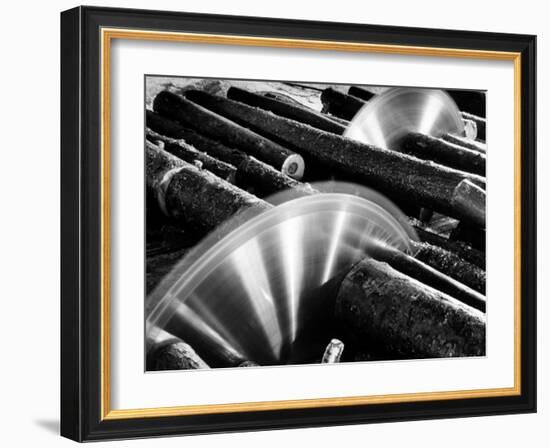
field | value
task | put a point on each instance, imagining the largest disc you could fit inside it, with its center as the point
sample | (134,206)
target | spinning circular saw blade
(260,291)
(388,117)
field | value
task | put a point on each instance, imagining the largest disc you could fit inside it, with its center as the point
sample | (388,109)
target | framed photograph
(273,224)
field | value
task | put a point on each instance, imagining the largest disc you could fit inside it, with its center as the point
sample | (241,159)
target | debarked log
(379,306)
(443,152)
(451,264)
(427,275)
(193,196)
(189,154)
(193,115)
(340,104)
(400,176)
(294,112)
(251,173)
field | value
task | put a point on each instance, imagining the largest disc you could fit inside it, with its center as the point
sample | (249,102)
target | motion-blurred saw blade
(388,117)
(259,292)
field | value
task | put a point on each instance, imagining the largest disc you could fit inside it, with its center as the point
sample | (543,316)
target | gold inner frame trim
(107,35)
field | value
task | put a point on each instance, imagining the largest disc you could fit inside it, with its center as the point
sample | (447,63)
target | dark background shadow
(50,425)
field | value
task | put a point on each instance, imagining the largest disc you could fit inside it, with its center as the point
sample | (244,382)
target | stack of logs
(211,156)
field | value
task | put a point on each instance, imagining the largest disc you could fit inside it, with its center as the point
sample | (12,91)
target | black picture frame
(81,382)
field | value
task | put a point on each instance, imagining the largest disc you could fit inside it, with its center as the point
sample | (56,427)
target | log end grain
(293,166)
(333,352)
(470,129)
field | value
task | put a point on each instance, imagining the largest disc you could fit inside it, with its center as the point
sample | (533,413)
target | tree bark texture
(440,151)
(400,176)
(380,306)
(251,173)
(298,113)
(174,355)
(459,248)
(202,120)
(189,154)
(428,275)
(452,265)
(193,196)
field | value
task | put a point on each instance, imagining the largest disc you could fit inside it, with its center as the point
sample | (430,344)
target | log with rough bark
(469,101)
(294,112)
(264,180)
(378,306)
(192,196)
(174,354)
(465,142)
(481,125)
(428,275)
(361,93)
(340,104)
(461,249)
(470,199)
(251,174)
(202,120)
(440,151)
(451,264)
(189,154)
(289,100)
(400,176)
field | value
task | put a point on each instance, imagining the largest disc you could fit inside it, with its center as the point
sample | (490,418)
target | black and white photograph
(279,223)
(291,223)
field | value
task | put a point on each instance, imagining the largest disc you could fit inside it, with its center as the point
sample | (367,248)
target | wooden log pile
(209,157)
(380,306)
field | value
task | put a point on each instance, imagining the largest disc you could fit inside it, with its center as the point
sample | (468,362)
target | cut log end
(294,166)
(470,129)
(333,352)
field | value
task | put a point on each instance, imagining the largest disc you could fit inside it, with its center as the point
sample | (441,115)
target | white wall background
(29,227)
